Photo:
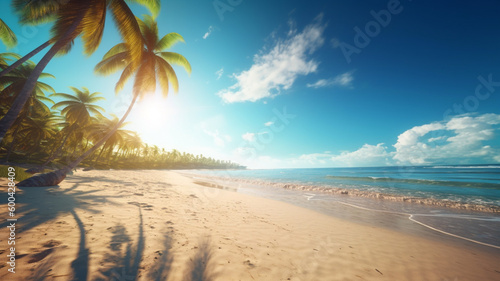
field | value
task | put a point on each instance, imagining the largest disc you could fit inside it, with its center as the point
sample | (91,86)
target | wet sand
(160,225)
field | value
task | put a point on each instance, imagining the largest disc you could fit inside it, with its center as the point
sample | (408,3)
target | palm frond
(76,90)
(65,96)
(112,64)
(118,48)
(93,25)
(45,87)
(5,56)
(145,78)
(62,103)
(96,110)
(172,77)
(93,97)
(46,75)
(168,41)
(66,48)
(45,99)
(162,78)
(41,107)
(6,35)
(152,5)
(178,59)
(70,13)
(36,12)
(149,31)
(128,28)
(127,72)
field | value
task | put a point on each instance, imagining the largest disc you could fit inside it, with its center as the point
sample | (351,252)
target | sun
(153,114)
(152,111)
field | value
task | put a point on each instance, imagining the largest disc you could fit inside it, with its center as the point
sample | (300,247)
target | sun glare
(153,114)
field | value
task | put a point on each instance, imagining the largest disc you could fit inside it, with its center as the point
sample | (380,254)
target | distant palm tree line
(55,135)
(74,130)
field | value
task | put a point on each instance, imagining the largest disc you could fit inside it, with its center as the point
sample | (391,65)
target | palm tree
(21,60)
(5,57)
(37,129)
(134,142)
(75,18)
(131,145)
(11,85)
(35,106)
(105,126)
(155,67)
(78,110)
(6,35)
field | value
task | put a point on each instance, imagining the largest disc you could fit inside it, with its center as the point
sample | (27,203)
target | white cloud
(462,138)
(461,141)
(344,79)
(270,123)
(210,30)
(219,73)
(249,137)
(277,69)
(367,155)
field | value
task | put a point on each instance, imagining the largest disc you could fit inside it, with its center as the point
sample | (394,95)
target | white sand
(157,225)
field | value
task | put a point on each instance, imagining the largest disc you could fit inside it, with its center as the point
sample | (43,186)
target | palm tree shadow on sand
(124,266)
(200,267)
(161,269)
(43,204)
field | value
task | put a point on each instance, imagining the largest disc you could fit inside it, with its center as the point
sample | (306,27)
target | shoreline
(161,225)
(486,208)
(327,189)
(462,224)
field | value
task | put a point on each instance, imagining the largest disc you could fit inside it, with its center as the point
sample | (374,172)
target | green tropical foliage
(74,18)
(39,126)
(155,66)
(6,35)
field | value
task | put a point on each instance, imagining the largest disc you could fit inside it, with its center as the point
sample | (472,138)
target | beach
(163,225)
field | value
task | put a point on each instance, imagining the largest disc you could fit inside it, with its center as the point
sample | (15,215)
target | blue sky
(314,83)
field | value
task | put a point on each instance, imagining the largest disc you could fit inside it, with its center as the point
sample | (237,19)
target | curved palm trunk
(24,59)
(59,149)
(100,153)
(54,178)
(11,116)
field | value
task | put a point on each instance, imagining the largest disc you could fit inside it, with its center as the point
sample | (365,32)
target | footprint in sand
(249,264)
(51,244)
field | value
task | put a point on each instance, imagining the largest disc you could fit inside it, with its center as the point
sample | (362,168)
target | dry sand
(157,225)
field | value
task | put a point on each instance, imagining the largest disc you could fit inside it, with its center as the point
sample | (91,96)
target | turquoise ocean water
(466,184)
(472,191)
